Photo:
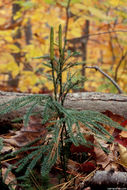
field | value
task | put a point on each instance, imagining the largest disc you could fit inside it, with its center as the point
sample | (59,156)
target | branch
(107,76)
(120,61)
(10,26)
(100,33)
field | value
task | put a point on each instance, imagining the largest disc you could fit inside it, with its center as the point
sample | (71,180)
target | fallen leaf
(115,117)
(10,177)
(73,166)
(121,140)
(27,134)
(87,167)
(124,133)
(121,136)
(84,148)
(101,157)
(22,138)
(123,154)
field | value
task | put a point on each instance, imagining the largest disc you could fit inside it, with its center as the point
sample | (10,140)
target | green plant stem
(61,59)
(62,155)
(54,81)
(52,61)
(60,80)
(67,91)
(1,179)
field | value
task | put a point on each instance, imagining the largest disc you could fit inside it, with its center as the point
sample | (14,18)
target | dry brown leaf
(27,134)
(73,167)
(7,148)
(10,177)
(114,117)
(124,133)
(22,137)
(101,157)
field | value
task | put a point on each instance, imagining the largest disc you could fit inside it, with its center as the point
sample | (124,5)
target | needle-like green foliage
(63,120)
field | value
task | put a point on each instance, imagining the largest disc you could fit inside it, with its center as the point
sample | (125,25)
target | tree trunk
(28,38)
(13,82)
(80,44)
(101,102)
(84,47)
(28,32)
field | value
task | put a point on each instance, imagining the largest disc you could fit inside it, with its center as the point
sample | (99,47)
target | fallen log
(116,103)
(107,180)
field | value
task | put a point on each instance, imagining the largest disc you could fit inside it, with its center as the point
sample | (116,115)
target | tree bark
(107,179)
(84,47)
(101,102)
(13,82)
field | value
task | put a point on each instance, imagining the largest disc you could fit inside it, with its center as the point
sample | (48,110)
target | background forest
(61,141)
(95,28)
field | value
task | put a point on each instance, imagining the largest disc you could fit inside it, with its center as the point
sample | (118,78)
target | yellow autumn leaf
(9,39)
(13,48)
(27,81)
(77,9)
(32,51)
(99,14)
(114,2)
(123,154)
(13,68)
(36,89)
(10,67)
(18,15)
(2,67)
(2,21)
(90,18)
(15,72)
(29,78)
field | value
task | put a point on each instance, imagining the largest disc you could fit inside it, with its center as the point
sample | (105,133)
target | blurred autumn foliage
(95,28)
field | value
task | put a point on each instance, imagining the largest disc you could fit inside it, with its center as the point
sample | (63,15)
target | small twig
(65,184)
(107,76)
(95,34)
(118,42)
(34,180)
